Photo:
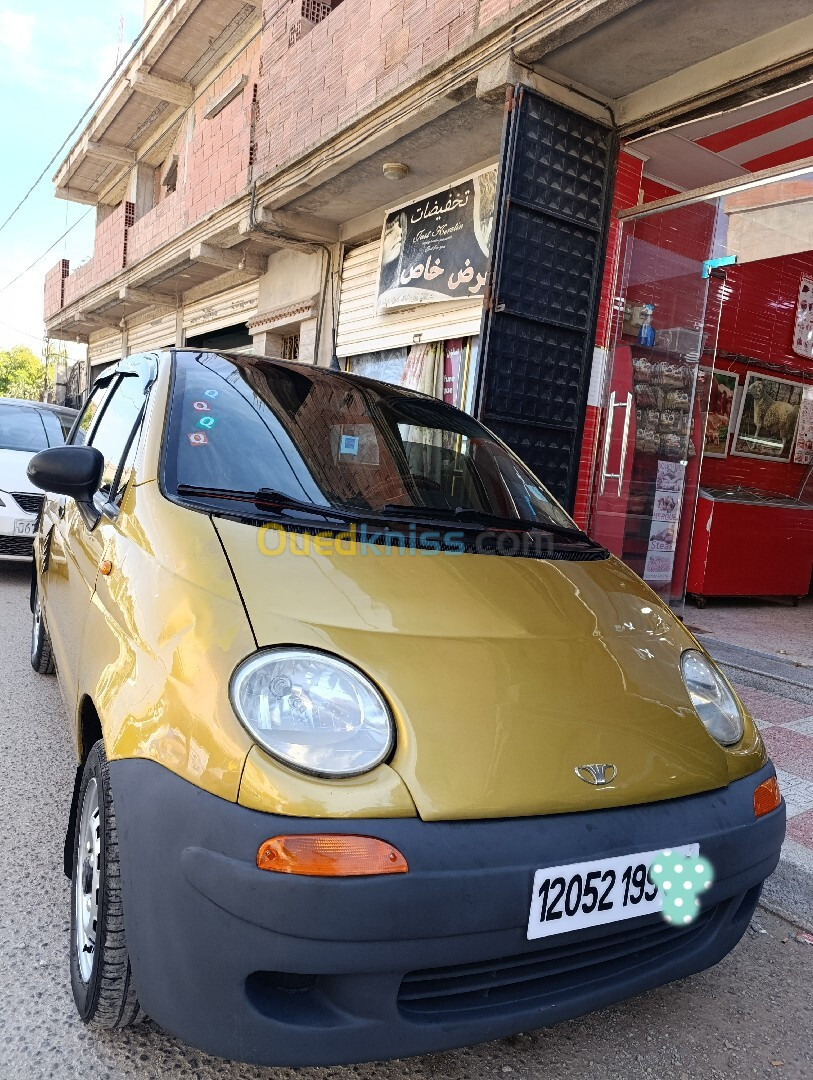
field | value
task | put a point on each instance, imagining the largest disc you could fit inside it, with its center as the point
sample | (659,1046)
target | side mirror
(75,471)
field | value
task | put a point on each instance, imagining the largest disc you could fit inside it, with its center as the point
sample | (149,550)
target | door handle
(608,437)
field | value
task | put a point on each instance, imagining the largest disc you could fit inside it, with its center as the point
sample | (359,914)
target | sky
(55,55)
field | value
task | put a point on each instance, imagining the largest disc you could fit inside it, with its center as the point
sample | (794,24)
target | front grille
(32,504)
(17,545)
(534,978)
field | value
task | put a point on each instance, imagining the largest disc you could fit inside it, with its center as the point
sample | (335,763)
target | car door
(54,568)
(79,536)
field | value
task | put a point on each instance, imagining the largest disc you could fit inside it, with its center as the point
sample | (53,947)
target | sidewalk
(779,695)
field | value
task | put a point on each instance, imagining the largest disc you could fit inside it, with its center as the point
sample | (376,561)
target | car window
(113,431)
(53,428)
(242,424)
(91,410)
(21,428)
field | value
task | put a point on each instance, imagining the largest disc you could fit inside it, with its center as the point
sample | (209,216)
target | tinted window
(21,429)
(115,426)
(338,441)
(53,428)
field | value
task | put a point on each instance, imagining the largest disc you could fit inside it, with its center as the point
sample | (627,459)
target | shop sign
(438,249)
(665,524)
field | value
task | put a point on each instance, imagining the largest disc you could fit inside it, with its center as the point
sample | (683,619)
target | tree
(22,373)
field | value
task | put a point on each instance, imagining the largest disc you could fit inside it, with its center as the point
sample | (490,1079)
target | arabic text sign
(438,249)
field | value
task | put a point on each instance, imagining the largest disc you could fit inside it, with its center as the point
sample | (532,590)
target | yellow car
(378,753)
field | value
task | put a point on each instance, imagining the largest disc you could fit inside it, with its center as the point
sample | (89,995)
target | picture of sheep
(769,415)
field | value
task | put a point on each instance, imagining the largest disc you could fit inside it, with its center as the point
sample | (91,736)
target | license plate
(584,894)
(24,528)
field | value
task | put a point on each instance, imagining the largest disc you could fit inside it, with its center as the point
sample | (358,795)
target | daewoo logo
(597,775)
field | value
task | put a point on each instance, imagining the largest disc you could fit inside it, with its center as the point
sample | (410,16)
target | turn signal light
(329,855)
(767,797)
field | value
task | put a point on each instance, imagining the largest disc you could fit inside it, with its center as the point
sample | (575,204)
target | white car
(26,427)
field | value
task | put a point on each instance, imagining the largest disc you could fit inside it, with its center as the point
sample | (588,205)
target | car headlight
(712,698)
(313,712)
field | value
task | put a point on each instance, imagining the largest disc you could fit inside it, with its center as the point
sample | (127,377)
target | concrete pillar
(267,343)
(180,333)
(307,341)
(125,341)
(141,190)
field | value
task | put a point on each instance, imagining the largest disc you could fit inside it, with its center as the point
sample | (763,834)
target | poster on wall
(803,331)
(803,455)
(721,412)
(768,417)
(438,248)
(663,530)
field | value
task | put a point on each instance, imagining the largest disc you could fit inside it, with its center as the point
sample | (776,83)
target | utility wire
(46,252)
(82,118)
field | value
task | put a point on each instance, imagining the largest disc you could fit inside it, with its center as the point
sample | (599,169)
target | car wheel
(101,977)
(42,659)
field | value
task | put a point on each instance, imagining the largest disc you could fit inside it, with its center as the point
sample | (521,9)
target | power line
(81,120)
(46,252)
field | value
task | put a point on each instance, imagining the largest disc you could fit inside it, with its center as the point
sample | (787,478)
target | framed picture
(722,397)
(768,417)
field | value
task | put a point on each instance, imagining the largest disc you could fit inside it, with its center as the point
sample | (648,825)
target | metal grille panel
(539,324)
(32,504)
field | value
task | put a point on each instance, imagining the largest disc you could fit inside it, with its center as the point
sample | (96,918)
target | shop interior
(705,483)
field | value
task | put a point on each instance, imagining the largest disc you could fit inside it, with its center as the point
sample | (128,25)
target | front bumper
(284,970)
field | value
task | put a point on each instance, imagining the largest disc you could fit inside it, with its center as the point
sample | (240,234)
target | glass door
(656,396)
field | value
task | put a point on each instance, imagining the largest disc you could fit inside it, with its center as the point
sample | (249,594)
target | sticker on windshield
(201,406)
(197,438)
(207,422)
(211,393)
(349,445)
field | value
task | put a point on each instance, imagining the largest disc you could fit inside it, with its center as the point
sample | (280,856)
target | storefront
(701,465)
(411,301)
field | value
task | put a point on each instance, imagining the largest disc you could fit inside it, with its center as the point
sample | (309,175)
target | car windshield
(21,429)
(337,443)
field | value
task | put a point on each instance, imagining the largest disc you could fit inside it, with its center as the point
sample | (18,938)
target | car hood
(13,476)
(505,675)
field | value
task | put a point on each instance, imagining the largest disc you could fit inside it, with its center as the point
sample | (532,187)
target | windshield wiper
(485,517)
(266,499)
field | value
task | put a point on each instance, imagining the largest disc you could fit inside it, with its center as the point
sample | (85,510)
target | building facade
(259,168)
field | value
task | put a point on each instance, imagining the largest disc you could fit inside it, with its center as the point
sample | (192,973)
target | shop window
(440,369)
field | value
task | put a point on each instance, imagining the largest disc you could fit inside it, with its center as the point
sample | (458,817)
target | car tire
(101,976)
(42,658)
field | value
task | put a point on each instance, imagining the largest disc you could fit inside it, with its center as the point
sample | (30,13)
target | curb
(788,892)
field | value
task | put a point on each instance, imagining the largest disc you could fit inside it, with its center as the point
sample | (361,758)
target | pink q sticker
(201,406)
(197,438)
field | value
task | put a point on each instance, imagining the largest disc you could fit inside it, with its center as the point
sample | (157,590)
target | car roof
(40,406)
(315,372)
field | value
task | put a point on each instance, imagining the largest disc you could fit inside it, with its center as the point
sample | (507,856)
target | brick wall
(213,165)
(109,253)
(55,288)
(307,91)
(362,51)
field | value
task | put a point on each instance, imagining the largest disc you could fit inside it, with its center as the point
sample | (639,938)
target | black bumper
(276,969)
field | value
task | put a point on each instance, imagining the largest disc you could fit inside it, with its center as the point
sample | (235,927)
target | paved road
(753,1010)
